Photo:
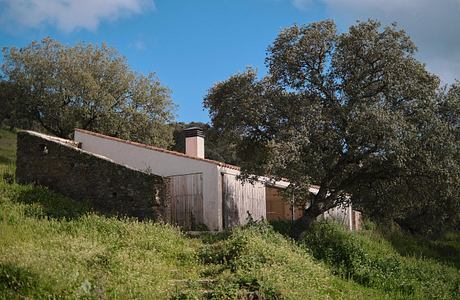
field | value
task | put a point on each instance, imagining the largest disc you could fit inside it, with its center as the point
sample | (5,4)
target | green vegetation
(217,148)
(370,260)
(53,247)
(256,259)
(7,155)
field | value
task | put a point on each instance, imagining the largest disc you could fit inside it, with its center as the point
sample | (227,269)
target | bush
(257,261)
(283,226)
(334,245)
(368,259)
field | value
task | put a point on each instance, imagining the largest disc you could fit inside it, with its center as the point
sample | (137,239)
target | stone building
(129,178)
(109,187)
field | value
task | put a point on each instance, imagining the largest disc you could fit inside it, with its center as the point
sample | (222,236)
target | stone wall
(109,187)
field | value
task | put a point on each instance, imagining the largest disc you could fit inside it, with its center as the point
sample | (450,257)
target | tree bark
(320,204)
(305,221)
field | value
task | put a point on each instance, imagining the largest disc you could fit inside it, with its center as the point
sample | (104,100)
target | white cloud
(68,15)
(434,26)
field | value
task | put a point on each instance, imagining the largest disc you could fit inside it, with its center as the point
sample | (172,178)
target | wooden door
(187,200)
(241,201)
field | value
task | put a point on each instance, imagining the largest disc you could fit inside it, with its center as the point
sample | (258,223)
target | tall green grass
(445,249)
(257,261)
(53,247)
(372,261)
(67,253)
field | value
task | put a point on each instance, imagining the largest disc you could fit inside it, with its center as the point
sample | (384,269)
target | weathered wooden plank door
(186,200)
(241,200)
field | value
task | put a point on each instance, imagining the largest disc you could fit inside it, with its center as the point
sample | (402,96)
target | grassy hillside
(53,247)
(370,259)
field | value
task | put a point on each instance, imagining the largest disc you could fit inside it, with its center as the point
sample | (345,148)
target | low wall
(109,187)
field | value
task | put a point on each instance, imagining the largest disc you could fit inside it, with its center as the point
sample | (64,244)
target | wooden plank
(187,200)
(279,208)
(240,198)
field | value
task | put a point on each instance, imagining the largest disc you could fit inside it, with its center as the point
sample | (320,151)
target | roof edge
(150,147)
(72,144)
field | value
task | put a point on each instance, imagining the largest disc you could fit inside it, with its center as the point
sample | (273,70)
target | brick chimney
(194,142)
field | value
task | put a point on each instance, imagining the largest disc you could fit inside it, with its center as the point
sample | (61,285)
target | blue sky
(191,45)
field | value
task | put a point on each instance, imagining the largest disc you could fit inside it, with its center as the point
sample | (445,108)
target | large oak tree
(59,87)
(354,112)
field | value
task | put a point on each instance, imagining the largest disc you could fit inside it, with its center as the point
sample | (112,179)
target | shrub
(258,262)
(283,226)
(370,260)
(334,245)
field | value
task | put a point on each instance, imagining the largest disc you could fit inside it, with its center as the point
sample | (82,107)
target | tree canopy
(354,112)
(59,87)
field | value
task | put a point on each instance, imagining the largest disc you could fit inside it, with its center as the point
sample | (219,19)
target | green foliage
(283,226)
(428,201)
(56,88)
(336,247)
(353,112)
(7,147)
(370,260)
(13,112)
(257,261)
(16,281)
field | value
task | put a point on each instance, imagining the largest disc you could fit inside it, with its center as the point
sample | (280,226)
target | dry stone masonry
(109,187)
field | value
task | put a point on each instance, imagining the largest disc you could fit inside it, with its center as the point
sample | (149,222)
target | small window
(43,149)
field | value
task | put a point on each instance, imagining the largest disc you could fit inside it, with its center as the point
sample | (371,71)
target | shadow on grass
(45,203)
(284,227)
(212,237)
(4,160)
(445,250)
(17,282)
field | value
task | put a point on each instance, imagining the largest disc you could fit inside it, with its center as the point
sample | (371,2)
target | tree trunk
(305,222)
(319,205)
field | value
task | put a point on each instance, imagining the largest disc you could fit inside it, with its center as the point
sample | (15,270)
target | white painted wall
(163,164)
